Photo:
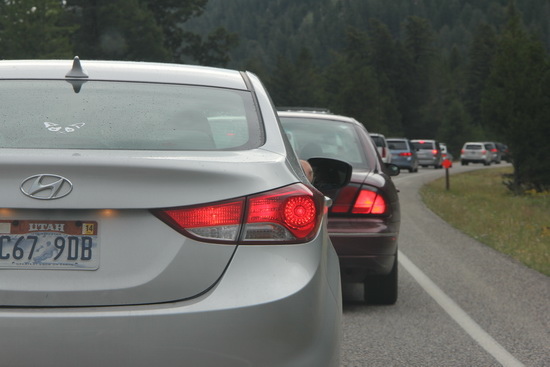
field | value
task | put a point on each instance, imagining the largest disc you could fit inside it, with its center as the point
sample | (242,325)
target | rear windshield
(474,146)
(328,139)
(423,145)
(397,145)
(378,140)
(132,116)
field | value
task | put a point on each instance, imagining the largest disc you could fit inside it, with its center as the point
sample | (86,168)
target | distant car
(364,219)
(429,152)
(495,152)
(476,152)
(504,152)
(382,146)
(403,154)
(445,154)
(156,215)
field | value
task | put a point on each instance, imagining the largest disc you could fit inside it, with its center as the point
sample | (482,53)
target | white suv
(476,152)
(382,146)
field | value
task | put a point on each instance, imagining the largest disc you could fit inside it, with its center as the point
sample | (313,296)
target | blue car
(403,154)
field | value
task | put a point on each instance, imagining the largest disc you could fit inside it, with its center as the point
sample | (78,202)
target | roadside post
(447,164)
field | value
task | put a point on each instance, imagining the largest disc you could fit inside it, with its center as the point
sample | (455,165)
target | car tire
(464,163)
(382,289)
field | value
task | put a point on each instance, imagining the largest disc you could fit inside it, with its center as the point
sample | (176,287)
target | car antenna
(76,72)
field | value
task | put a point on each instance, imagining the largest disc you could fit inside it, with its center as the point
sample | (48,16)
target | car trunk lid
(114,250)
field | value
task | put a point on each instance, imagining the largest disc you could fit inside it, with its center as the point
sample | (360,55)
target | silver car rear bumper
(258,314)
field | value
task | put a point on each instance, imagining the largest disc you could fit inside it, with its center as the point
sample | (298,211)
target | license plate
(49,244)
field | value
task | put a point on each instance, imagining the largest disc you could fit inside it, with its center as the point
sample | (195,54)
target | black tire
(464,163)
(382,289)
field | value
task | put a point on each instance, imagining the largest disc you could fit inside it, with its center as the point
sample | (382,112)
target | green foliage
(295,83)
(31,29)
(514,225)
(144,30)
(456,127)
(516,103)
(122,30)
(481,54)
(147,30)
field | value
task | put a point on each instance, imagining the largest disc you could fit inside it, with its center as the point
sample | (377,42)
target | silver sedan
(155,215)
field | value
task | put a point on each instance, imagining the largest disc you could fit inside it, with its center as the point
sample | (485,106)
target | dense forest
(271,28)
(455,70)
(450,70)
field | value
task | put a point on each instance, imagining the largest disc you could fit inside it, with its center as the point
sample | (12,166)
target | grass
(478,204)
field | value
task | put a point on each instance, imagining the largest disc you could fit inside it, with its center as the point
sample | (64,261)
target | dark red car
(364,219)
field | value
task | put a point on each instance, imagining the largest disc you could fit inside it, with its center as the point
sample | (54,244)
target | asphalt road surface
(460,302)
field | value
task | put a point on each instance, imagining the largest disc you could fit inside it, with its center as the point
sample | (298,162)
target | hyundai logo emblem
(46,187)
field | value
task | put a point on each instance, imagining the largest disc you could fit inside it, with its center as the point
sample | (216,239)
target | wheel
(464,163)
(382,289)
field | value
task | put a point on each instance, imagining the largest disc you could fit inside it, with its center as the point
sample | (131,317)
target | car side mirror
(392,169)
(330,174)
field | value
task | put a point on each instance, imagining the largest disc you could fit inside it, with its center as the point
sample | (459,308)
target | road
(460,302)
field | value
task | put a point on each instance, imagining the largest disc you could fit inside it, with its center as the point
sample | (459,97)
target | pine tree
(479,66)
(516,103)
(32,29)
(146,30)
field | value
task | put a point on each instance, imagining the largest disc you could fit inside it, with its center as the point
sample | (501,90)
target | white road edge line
(485,340)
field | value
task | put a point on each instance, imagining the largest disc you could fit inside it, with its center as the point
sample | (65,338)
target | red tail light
(493,150)
(435,151)
(483,152)
(363,201)
(405,154)
(383,152)
(369,202)
(462,151)
(290,214)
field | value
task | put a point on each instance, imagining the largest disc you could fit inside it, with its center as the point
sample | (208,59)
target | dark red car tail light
(369,202)
(435,151)
(353,200)
(345,200)
(290,214)
(406,154)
